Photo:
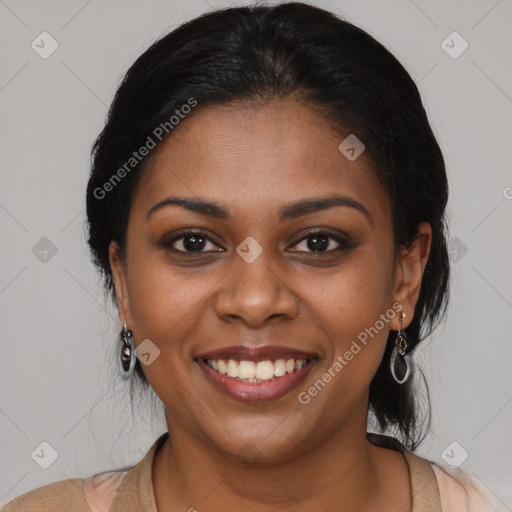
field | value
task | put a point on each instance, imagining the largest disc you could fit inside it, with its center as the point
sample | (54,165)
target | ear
(409,269)
(120,283)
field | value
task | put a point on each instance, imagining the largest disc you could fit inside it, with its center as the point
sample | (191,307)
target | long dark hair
(294,51)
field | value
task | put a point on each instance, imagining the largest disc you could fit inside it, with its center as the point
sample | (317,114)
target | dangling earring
(400,363)
(127,353)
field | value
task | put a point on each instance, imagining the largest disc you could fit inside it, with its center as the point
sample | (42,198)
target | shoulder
(95,493)
(92,494)
(450,490)
(459,491)
(61,495)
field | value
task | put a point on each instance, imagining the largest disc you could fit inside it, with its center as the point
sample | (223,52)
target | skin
(253,160)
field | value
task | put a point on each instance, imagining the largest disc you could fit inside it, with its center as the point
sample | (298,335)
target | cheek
(166,308)
(355,305)
(165,301)
(355,294)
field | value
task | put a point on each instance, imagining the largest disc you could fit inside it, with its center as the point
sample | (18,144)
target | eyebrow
(287,212)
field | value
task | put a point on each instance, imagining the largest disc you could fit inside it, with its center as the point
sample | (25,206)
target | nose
(255,293)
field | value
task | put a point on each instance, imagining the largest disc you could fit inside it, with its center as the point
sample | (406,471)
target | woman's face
(253,283)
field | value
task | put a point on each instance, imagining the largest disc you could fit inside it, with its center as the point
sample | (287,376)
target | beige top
(434,489)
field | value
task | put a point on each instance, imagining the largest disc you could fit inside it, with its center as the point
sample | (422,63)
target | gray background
(58,335)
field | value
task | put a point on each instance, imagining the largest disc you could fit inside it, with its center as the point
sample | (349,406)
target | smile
(255,375)
(251,371)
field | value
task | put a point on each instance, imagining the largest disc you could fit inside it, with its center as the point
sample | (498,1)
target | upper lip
(263,353)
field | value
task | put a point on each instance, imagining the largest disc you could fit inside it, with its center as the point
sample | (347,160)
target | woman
(267,207)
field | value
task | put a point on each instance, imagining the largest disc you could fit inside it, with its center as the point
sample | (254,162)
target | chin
(264,446)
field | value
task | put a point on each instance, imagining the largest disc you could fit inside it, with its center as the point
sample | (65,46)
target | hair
(292,51)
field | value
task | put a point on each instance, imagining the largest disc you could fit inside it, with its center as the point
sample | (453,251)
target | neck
(344,468)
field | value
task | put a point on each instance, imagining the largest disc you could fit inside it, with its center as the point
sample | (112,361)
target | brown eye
(322,242)
(191,242)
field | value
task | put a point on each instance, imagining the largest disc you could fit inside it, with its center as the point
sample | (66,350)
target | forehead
(257,157)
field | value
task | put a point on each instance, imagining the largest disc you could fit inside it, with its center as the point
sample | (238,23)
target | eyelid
(168,242)
(342,239)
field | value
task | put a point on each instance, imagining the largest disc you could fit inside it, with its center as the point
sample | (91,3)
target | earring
(127,353)
(400,363)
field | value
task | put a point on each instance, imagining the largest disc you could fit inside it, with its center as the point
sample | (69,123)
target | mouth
(252,371)
(256,375)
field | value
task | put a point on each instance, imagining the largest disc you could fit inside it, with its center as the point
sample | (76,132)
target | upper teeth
(262,370)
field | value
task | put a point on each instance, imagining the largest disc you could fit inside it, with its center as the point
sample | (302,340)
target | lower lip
(256,392)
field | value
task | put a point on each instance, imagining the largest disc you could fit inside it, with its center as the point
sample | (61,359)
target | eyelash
(344,244)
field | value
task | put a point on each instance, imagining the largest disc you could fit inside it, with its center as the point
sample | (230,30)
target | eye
(322,242)
(191,242)
(317,242)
